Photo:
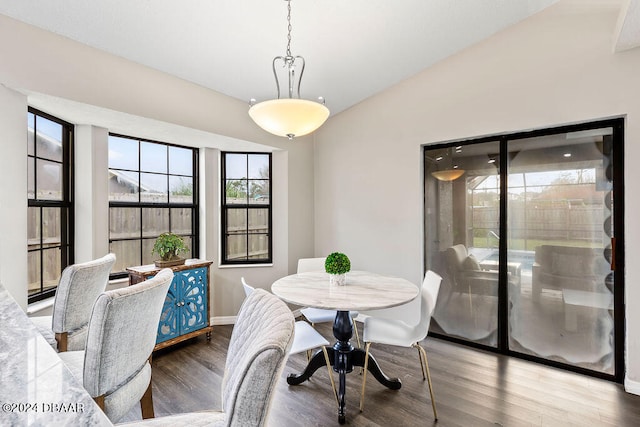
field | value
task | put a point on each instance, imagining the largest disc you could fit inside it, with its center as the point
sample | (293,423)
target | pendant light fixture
(448,175)
(447,168)
(290,116)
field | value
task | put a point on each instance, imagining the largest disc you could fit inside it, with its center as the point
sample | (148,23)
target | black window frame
(225,207)
(140,205)
(65,205)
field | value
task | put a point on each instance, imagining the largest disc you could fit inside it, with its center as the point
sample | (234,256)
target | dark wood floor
(472,388)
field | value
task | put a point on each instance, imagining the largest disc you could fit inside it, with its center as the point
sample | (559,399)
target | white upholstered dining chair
(260,342)
(400,333)
(115,367)
(321,315)
(78,288)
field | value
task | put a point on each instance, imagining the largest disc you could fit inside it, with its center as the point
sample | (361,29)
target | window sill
(222,266)
(38,306)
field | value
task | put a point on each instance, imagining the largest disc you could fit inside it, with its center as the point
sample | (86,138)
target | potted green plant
(337,265)
(169,246)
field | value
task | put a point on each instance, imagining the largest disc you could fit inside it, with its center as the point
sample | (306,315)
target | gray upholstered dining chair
(400,333)
(115,367)
(78,288)
(321,315)
(258,349)
(305,339)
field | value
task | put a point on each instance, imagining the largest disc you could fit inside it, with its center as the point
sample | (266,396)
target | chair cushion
(74,361)
(120,401)
(306,338)
(471,263)
(75,339)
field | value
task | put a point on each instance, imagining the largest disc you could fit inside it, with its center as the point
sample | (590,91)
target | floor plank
(472,388)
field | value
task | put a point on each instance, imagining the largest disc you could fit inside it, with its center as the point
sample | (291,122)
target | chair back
(306,265)
(247,287)
(260,342)
(121,337)
(429,298)
(78,288)
(455,257)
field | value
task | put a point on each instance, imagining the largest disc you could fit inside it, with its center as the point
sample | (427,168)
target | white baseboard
(223,320)
(632,387)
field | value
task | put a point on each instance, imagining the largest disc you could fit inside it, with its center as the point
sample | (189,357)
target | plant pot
(170,262)
(337,279)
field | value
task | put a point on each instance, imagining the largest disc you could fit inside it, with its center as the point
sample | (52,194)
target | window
(246,208)
(49,192)
(152,189)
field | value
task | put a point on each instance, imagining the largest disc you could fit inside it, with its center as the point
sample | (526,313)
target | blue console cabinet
(186,310)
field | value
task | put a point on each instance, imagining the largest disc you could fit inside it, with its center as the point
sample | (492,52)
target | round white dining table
(363,291)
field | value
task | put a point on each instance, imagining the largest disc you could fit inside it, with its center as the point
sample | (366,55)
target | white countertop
(36,388)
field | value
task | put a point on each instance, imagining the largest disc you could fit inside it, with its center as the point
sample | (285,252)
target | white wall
(36,61)
(13,194)
(555,68)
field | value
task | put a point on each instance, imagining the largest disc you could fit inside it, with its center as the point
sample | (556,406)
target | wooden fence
(583,222)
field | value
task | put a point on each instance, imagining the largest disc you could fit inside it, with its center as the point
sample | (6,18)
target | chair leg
(61,340)
(421,362)
(146,404)
(364,374)
(99,401)
(426,364)
(355,329)
(333,384)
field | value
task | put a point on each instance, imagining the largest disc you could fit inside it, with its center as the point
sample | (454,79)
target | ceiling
(353,49)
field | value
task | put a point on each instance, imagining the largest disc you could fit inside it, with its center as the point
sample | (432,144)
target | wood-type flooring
(472,388)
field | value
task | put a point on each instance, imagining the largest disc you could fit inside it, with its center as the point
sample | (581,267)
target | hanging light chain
(288,27)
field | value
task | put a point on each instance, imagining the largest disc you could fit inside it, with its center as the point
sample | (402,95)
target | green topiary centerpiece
(169,246)
(337,264)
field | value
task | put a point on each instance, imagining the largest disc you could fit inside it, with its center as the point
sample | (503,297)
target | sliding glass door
(462,223)
(523,235)
(560,189)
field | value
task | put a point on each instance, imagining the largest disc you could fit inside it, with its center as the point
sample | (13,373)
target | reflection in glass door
(521,228)
(462,226)
(559,238)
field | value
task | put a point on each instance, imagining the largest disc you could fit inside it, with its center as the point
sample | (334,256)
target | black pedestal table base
(343,357)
